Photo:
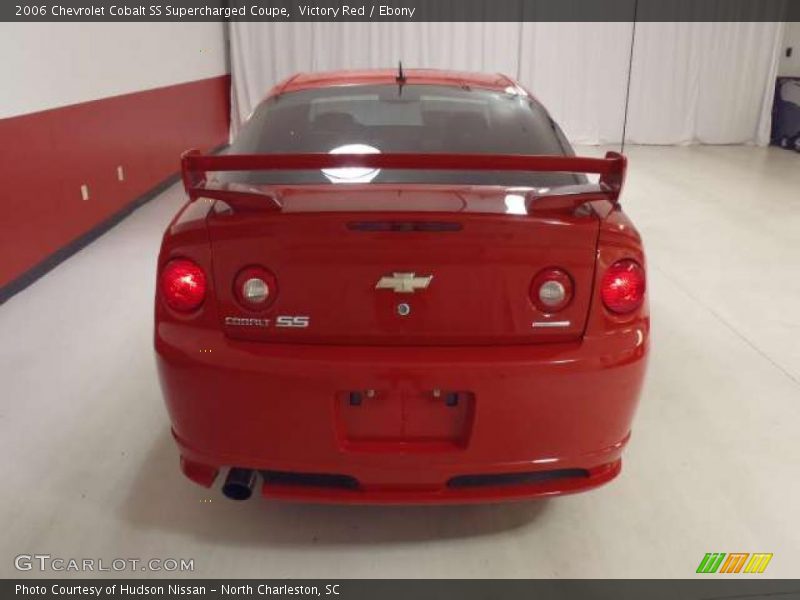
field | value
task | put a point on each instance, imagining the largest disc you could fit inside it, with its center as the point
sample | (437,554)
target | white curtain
(690,82)
(711,83)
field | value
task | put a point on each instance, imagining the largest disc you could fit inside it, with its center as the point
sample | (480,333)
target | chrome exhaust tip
(239,483)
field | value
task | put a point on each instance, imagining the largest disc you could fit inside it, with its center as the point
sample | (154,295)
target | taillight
(623,286)
(255,288)
(183,285)
(551,290)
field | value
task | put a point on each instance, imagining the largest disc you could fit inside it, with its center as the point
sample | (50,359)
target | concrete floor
(89,469)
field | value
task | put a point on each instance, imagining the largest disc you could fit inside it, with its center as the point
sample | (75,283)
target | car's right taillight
(623,287)
(255,287)
(183,285)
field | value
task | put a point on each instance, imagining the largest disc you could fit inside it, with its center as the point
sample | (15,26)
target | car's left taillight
(183,285)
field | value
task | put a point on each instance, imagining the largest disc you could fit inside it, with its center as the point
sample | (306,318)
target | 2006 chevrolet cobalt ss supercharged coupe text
(401,288)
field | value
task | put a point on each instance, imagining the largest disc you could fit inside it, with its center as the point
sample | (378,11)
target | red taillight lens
(551,290)
(623,286)
(183,285)
(255,288)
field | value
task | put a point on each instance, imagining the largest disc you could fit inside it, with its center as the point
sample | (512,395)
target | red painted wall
(47,156)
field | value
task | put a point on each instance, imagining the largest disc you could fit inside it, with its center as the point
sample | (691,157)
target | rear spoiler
(195,167)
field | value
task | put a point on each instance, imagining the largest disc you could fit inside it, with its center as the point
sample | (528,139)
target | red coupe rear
(401,288)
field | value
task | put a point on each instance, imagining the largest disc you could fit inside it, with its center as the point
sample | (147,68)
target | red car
(401,288)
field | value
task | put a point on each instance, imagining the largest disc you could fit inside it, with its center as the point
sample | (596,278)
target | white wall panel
(46,65)
(703,82)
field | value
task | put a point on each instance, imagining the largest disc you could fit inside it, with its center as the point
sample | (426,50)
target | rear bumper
(529,420)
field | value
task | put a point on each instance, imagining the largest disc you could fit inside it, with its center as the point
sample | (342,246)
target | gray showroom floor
(89,469)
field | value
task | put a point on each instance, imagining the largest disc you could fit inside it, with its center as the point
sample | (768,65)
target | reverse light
(551,290)
(255,287)
(623,286)
(183,285)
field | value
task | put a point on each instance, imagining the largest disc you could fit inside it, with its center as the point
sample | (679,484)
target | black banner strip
(712,588)
(398,10)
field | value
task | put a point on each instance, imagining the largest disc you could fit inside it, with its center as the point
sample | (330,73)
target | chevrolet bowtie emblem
(403,283)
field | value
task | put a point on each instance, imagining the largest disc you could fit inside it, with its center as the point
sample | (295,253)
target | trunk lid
(330,246)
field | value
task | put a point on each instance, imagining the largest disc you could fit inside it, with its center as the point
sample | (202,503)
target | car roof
(305,81)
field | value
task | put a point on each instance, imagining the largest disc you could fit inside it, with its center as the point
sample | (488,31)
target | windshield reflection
(352,174)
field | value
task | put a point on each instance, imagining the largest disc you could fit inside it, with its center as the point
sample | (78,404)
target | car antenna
(630,70)
(400,79)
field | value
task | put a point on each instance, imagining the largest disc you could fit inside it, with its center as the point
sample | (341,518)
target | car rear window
(388,119)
